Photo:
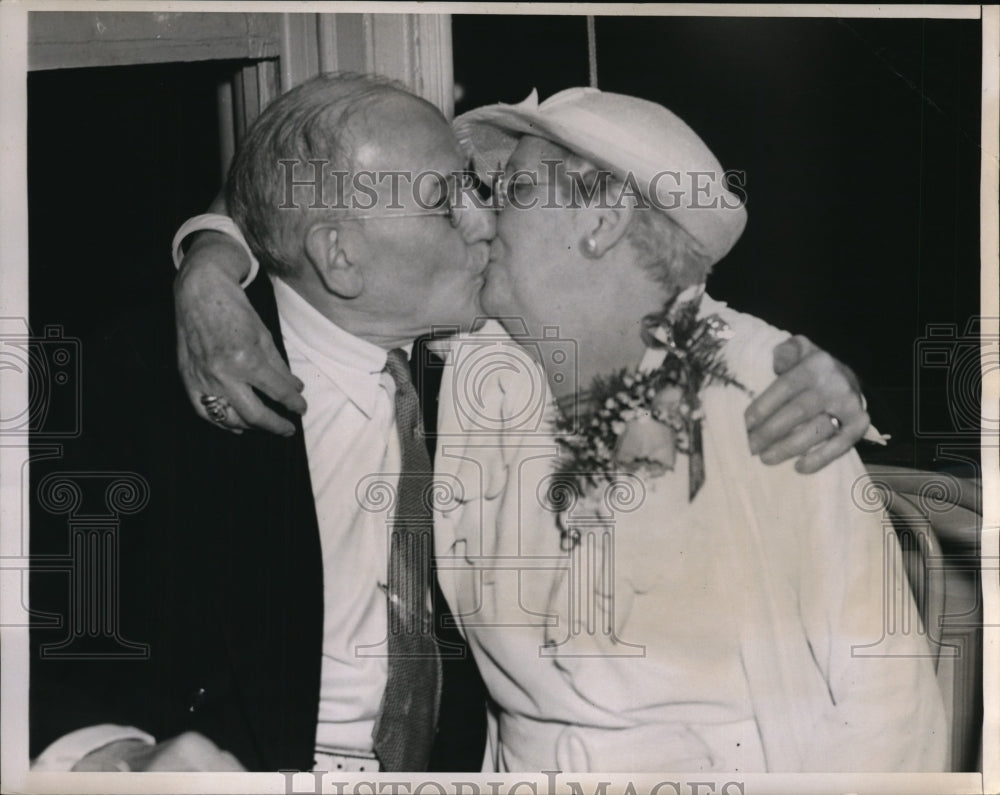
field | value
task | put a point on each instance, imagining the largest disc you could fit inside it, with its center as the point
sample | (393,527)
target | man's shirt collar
(352,365)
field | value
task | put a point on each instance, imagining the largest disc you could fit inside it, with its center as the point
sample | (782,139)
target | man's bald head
(305,134)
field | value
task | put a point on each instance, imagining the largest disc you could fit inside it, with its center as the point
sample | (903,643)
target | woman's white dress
(756,628)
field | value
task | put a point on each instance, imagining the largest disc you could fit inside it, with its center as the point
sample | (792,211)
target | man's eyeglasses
(431,212)
(452,199)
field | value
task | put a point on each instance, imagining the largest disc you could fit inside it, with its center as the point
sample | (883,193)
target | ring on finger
(216,407)
(834,421)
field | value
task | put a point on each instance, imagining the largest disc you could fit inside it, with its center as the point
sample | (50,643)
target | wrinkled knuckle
(193,741)
(803,346)
(851,410)
(822,427)
(240,358)
(802,412)
(823,361)
(253,415)
(263,340)
(842,390)
(258,419)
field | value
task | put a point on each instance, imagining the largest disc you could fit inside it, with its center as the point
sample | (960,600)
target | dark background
(859,139)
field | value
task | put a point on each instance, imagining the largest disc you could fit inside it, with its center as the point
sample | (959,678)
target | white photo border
(14,397)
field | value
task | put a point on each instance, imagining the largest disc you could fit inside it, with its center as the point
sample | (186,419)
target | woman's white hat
(631,137)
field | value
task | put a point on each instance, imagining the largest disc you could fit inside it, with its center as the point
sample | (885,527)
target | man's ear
(324,248)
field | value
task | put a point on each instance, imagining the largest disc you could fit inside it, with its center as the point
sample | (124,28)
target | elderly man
(350,291)
(276,646)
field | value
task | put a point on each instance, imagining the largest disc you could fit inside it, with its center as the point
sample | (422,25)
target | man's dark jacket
(219,573)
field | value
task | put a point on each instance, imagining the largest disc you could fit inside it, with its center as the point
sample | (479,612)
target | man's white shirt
(350,436)
(351,444)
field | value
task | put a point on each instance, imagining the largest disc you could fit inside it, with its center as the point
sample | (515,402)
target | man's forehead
(398,124)
(422,142)
(371,152)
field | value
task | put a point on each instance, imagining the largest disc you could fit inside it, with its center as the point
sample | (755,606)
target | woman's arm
(885,710)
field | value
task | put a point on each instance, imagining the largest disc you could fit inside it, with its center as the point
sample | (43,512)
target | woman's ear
(610,216)
(324,248)
(612,222)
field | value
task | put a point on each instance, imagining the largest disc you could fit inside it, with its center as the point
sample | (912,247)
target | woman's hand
(813,410)
(223,348)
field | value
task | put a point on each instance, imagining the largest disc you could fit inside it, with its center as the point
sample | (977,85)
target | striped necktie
(404,731)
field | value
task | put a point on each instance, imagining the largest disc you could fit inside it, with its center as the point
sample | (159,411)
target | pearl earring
(589,246)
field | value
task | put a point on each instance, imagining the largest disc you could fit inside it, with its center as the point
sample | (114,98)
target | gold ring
(216,407)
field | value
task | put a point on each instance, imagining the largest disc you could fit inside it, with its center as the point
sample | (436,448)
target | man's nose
(476,223)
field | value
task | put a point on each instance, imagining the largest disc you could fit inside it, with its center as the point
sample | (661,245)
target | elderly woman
(687,608)
(639,591)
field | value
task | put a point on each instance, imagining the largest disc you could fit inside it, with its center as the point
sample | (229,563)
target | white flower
(647,443)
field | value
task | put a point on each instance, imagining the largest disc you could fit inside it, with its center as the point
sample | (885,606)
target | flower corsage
(638,420)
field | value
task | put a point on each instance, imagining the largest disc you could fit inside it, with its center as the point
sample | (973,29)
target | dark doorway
(118,157)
